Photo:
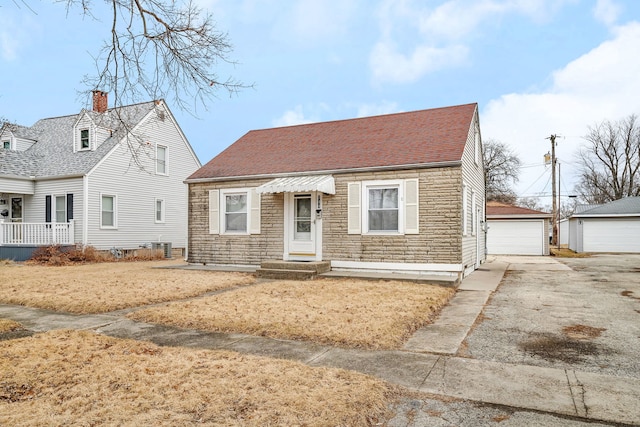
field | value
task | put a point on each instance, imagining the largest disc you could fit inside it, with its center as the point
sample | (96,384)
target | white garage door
(522,237)
(611,235)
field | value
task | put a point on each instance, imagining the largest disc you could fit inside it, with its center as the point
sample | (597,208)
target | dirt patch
(582,332)
(341,312)
(554,348)
(629,294)
(100,288)
(96,380)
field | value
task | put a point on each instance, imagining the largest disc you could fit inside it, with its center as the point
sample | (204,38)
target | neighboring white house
(73,179)
(514,230)
(611,227)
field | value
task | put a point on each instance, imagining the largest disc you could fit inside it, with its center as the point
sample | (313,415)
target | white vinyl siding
(473,242)
(137,190)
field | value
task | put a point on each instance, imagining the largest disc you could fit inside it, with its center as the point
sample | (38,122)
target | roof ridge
(398,113)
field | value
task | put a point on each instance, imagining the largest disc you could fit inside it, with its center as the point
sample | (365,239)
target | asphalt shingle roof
(52,154)
(626,206)
(497,208)
(419,137)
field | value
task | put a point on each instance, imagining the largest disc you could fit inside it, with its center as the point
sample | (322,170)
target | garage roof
(505,210)
(629,206)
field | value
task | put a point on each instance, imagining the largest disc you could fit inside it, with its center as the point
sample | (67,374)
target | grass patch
(342,312)
(81,378)
(567,253)
(100,288)
(7,325)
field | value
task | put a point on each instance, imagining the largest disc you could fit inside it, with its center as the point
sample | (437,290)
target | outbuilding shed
(514,230)
(611,227)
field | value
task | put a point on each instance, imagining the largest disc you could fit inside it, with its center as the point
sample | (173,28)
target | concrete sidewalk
(566,392)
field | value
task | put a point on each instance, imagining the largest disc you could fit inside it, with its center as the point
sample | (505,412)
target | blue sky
(535,67)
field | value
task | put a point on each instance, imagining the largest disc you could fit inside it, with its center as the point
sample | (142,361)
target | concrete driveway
(571,313)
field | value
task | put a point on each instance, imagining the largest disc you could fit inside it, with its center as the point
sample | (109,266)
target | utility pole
(554,206)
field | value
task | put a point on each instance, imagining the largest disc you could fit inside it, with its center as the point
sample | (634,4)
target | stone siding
(439,240)
(208,248)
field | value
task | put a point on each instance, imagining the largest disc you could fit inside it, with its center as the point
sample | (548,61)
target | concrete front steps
(292,270)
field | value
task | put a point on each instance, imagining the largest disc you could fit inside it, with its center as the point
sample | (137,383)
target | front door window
(302,217)
(16,209)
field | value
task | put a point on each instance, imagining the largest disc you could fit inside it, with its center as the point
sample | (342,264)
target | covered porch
(18,240)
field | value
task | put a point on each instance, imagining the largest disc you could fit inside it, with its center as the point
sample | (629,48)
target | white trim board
(397,266)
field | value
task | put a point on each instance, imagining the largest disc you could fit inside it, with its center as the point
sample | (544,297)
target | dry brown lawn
(81,378)
(343,312)
(7,325)
(104,287)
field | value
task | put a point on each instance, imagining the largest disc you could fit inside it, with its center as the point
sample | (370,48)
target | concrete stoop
(292,270)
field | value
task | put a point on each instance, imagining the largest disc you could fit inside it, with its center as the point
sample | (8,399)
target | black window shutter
(69,207)
(47,208)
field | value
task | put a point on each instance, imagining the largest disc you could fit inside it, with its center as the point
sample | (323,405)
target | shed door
(611,235)
(515,237)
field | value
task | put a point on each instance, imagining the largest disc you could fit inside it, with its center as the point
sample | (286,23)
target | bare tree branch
(610,161)
(501,168)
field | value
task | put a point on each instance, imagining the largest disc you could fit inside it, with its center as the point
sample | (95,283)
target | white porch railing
(38,234)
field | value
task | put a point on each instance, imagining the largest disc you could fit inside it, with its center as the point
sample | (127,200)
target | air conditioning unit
(165,246)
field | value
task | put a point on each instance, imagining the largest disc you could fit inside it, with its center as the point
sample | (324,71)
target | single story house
(397,192)
(611,227)
(514,230)
(108,178)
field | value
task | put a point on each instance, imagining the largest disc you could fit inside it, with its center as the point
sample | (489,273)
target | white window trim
(223,210)
(474,214)
(54,210)
(115,212)
(465,210)
(155,210)
(476,144)
(366,185)
(166,160)
(10,144)
(88,147)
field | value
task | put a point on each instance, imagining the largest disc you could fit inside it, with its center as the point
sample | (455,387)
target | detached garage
(514,230)
(612,227)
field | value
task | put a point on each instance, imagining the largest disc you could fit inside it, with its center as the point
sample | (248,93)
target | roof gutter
(520,216)
(327,172)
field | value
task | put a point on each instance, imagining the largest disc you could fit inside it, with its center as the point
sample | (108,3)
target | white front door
(302,226)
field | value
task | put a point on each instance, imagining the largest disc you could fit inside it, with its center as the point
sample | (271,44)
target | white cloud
(292,117)
(392,66)
(601,85)
(436,38)
(367,110)
(607,12)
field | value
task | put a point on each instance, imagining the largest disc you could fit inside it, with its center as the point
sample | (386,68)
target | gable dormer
(84,133)
(89,131)
(16,137)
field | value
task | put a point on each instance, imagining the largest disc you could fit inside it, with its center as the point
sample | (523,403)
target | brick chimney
(100,103)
